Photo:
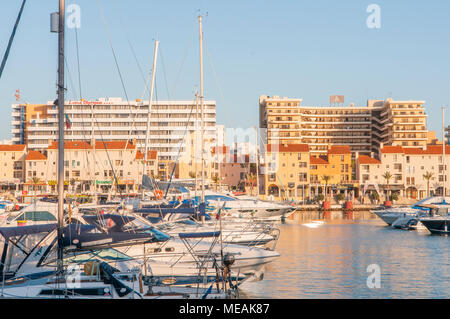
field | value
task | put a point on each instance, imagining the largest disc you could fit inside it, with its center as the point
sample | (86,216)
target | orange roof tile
(223,149)
(364,159)
(392,149)
(35,156)
(114,145)
(12,148)
(430,150)
(295,148)
(83,145)
(71,145)
(151,155)
(318,161)
(344,149)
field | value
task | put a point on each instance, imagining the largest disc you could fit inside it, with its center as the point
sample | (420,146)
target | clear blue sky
(306,49)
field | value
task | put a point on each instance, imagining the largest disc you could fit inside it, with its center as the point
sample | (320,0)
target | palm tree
(72,183)
(428,176)
(387,176)
(215,179)
(252,180)
(35,181)
(326,178)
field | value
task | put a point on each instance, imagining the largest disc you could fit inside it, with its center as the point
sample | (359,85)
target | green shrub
(340,197)
(374,196)
(320,198)
(393,196)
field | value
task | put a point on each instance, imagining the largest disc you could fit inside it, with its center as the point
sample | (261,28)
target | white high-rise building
(114,119)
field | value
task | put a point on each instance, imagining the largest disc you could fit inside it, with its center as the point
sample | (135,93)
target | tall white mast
(443,153)
(195,143)
(257,163)
(150,102)
(202,108)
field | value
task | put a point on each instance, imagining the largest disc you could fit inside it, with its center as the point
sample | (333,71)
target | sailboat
(77,254)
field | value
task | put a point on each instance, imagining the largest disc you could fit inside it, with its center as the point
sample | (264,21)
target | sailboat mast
(150,102)
(61,26)
(202,108)
(257,163)
(443,153)
(195,144)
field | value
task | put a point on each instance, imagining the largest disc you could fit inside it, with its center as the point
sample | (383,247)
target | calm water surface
(330,260)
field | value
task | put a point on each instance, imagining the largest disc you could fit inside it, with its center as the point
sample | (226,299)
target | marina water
(330,260)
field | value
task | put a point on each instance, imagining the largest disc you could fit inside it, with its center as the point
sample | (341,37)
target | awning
(8,232)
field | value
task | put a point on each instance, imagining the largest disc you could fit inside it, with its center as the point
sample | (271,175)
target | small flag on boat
(207,292)
(68,122)
(218,214)
(17,95)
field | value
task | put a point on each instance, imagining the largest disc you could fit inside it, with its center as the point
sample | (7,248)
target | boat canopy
(84,240)
(199,235)
(8,232)
(118,220)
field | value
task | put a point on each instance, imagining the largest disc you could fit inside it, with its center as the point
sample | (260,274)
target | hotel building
(113,119)
(363,128)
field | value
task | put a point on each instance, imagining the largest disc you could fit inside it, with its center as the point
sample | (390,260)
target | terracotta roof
(114,145)
(339,149)
(12,148)
(430,150)
(223,149)
(35,156)
(295,148)
(318,161)
(392,150)
(83,145)
(243,158)
(151,155)
(364,159)
(71,145)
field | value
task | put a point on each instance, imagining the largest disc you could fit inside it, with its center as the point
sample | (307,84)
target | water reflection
(326,254)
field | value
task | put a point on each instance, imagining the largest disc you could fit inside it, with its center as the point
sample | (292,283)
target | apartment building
(95,166)
(152,162)
(12,166)
(362,128)
(113,119)
(332,171)
(414,172)
(36,168)
(285,172)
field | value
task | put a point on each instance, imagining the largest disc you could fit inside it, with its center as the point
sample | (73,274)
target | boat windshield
(186,222)
(35,216)
(18,249)
(158,234)
(108,254)
(219,197)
